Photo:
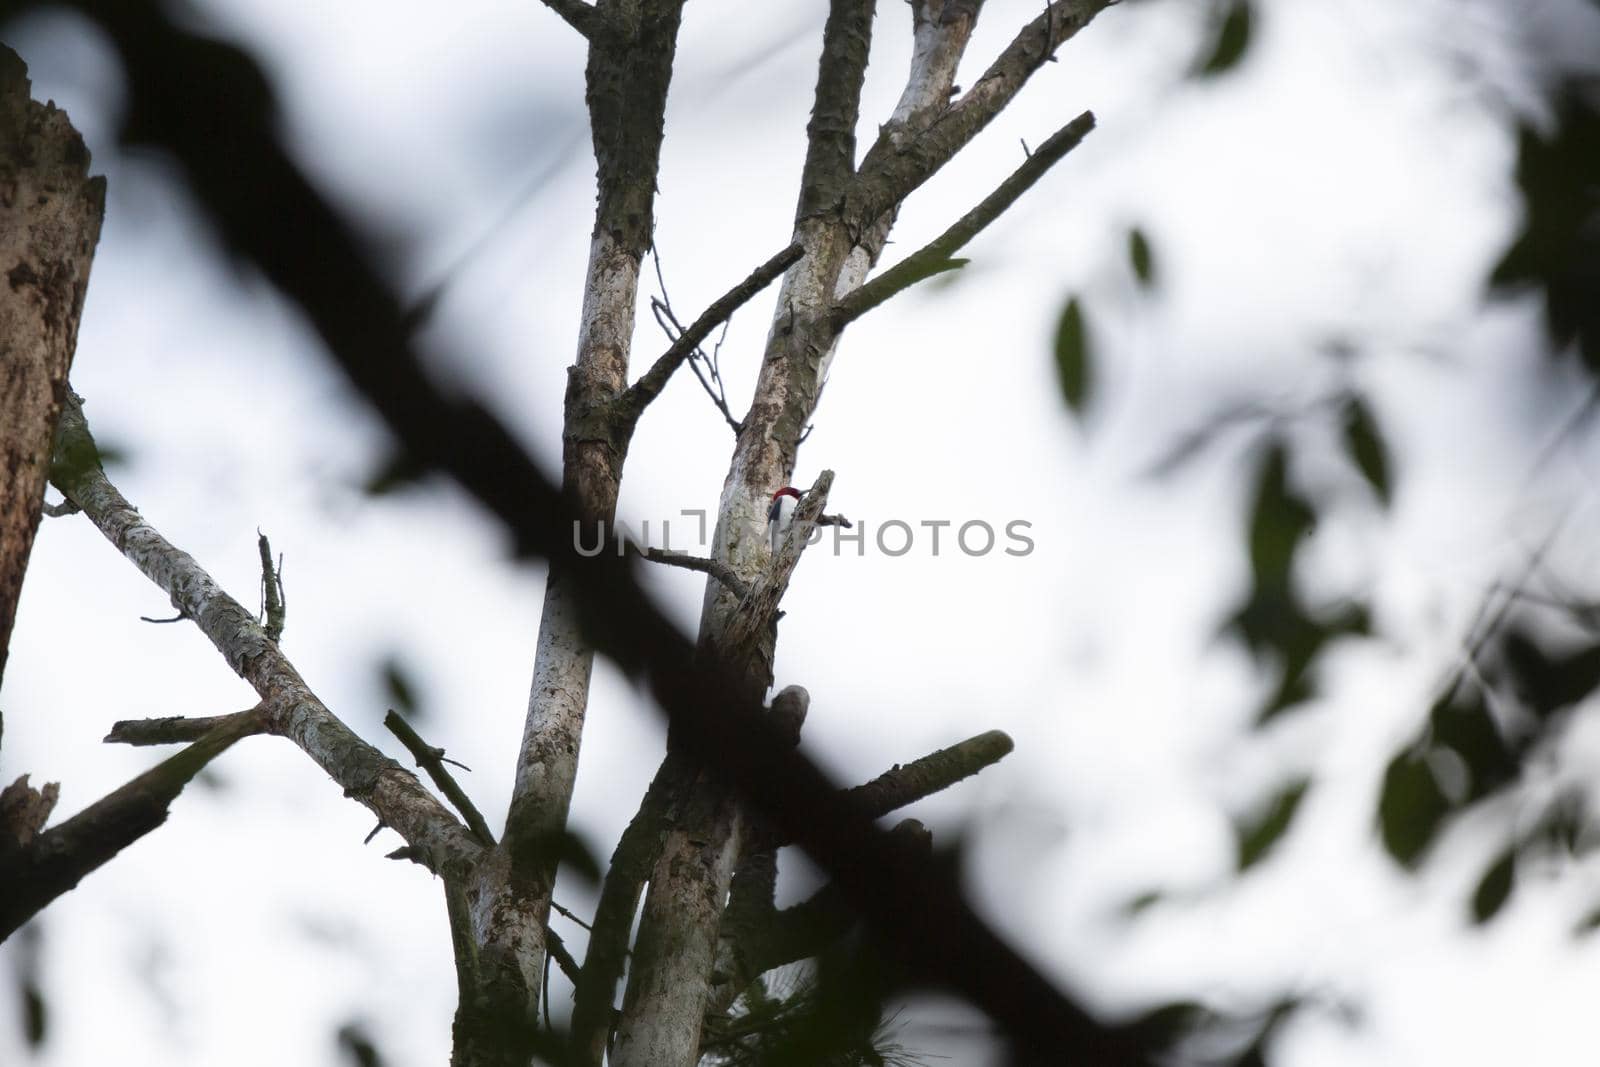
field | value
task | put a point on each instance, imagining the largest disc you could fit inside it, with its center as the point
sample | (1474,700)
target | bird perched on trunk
(781,514)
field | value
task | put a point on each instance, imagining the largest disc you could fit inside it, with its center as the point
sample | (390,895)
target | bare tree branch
(831,134)
(58,859)
(431,760)
(901,160)
(935,256)
(899,786)
(633,402)
(585,18)
(636,853)
(204,101)
(175,729)
(274,606)
(716,568)
(440,842)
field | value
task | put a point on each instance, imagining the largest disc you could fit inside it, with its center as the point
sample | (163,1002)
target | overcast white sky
(1351,181)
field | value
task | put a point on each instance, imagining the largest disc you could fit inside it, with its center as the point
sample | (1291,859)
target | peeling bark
(50,214)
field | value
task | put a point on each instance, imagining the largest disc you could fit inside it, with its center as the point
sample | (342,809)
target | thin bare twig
(667,319)
(714,567)
(432,760)
(274,603)
(633,402)
(936,256)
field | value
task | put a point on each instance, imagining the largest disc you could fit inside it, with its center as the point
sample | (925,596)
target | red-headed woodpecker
(781,514)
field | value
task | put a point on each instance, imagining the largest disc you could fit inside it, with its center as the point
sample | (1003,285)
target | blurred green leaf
(357,1046)
(1367,449)
(1230,39)
(35,1014)
(1558,250)
(1072,356)
(1140,257)
(1143,903)
(1257,838)
(1550,682)
(1494,888)
(1462,722)
(399,686)
(1279,522)
(1410,807)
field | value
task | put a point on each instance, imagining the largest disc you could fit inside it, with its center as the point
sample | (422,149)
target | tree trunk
(50,212)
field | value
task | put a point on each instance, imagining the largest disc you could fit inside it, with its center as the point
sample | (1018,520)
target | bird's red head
(787,490)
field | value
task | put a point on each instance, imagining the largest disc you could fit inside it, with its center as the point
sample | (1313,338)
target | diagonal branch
(59,858)
(638,396)
(431,759)
(906,784)
(935,256)
(290,708)
(898,164)
(899,786)
(585,18)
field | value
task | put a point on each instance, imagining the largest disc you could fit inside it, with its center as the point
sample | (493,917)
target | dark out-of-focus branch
(208,104)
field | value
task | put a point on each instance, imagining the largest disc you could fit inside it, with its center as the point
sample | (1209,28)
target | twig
(714,567)
(61,510)
(667,319)
(432,760)
(179,617)
(567,914)
(936,256)
(633,402)
(175,729)
(275,603)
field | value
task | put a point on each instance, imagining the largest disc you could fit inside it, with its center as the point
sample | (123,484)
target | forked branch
(897,164)
(288,706)
(639,395)
(58,859)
